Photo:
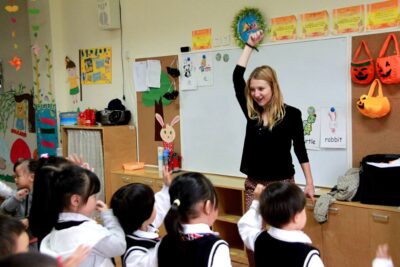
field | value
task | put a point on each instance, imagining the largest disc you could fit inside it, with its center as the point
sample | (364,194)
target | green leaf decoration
(149,98)
(243,13)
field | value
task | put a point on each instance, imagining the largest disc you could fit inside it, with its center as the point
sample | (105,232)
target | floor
(236,264)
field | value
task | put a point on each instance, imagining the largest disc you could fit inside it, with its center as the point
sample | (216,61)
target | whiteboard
(311,73)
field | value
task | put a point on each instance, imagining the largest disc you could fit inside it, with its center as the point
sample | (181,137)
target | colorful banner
(348,19)
(383,15)
(96,65)
(46,125)
(284,28)
(314,24)
(201,39)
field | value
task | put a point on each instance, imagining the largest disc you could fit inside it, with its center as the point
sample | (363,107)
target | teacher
(272,127)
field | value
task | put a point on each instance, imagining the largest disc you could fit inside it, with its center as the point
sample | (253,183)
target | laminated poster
(96,65)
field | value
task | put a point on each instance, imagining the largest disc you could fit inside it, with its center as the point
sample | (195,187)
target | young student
(19,203)
(140,214)
(190,240)
(13,236)
(29,259)
(282,206)
(67,199)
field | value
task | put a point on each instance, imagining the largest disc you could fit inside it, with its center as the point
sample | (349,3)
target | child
(282,206)
(13,236)
(190,241)
(66,199)
(29,259)
(140,226)
(19,203)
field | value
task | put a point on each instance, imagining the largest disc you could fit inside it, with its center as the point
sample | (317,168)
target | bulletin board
(375,136)
(146,117)
(311,72)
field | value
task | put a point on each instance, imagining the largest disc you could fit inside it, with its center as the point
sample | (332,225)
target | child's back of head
(13,236)
(133,204)
(280,203)
(28,259)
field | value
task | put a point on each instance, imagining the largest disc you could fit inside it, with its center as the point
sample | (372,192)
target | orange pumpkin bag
(374,106)
(388,67)
(362,71)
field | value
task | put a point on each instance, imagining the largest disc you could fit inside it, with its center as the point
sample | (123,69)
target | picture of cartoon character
(307,124)
(72,79)
(20,115)
(188,67)
(332,119)
(167,132)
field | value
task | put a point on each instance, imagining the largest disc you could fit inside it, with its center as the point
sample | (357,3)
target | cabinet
(117,144)
(230,191)
(353,232)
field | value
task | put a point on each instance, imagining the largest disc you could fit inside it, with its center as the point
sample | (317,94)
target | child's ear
(75,201)
(208,207)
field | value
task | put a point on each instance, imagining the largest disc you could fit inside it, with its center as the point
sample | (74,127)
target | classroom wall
(149,28)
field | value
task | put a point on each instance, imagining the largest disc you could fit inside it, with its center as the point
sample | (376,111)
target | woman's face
(260,91)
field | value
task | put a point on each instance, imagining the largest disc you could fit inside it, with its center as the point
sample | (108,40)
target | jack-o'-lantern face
(362,73)
(361,101)
(384,71)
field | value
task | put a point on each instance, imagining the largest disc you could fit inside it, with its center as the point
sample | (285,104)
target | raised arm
(254,39)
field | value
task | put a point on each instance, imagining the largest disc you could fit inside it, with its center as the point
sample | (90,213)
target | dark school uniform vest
(134,242)
(269,251)
(199,252)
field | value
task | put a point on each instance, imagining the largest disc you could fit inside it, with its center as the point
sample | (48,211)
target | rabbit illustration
(167,132)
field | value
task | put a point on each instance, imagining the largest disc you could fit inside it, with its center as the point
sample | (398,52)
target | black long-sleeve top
(266,154)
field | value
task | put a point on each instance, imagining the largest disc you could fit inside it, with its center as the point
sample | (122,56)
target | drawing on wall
(187,80)
(311,128)
(72,79)
(96,65)
(4,154)
(204,70)
(155,97)
(47,138)
(16,62)
(333,127)
(19,150)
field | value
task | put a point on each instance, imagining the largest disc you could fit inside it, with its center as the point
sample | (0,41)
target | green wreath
(247,21)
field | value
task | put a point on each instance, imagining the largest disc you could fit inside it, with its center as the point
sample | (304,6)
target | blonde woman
(272,127)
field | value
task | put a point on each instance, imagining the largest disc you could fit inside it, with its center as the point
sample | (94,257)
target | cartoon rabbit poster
(333,127)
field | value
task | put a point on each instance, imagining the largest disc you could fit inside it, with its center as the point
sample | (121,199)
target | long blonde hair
(275,107)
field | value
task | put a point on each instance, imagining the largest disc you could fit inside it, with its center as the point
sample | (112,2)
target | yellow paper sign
(96,65)
(348,19)
(284,28)
(383,15)
(201,39)
(314,24)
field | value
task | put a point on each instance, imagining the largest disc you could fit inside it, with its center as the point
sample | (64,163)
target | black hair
(185,192)
(56,180)
(28,259)
(10,229)
(133,204)
(280,202)
(32,164)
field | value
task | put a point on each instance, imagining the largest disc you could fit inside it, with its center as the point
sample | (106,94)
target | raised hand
(255,38)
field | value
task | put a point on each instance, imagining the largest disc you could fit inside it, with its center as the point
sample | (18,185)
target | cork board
(375,136)
(147,123)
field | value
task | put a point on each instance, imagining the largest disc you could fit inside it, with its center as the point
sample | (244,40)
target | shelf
(228,218)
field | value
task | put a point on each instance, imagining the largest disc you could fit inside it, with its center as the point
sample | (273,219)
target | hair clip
(176,202)
(44,156)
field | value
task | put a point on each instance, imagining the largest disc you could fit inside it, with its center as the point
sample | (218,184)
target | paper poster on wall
(348,19)
(187,79)
(311,125)
(314,24)
(333,127)
(204,69)
(139,71)
(201,39)
(153,73)
(382,15)
(96,65)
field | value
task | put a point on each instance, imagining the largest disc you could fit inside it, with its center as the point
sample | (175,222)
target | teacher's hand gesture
(255,38)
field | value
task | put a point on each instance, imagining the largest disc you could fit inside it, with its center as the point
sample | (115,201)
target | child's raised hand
(22,193)
(78,160)
(255,38)
(167,175)
(383,251)
(258,190)
(101,206)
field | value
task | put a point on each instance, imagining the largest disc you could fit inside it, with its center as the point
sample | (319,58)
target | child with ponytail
(63,201)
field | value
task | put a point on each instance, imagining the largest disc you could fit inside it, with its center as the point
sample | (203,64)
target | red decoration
(19,149)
